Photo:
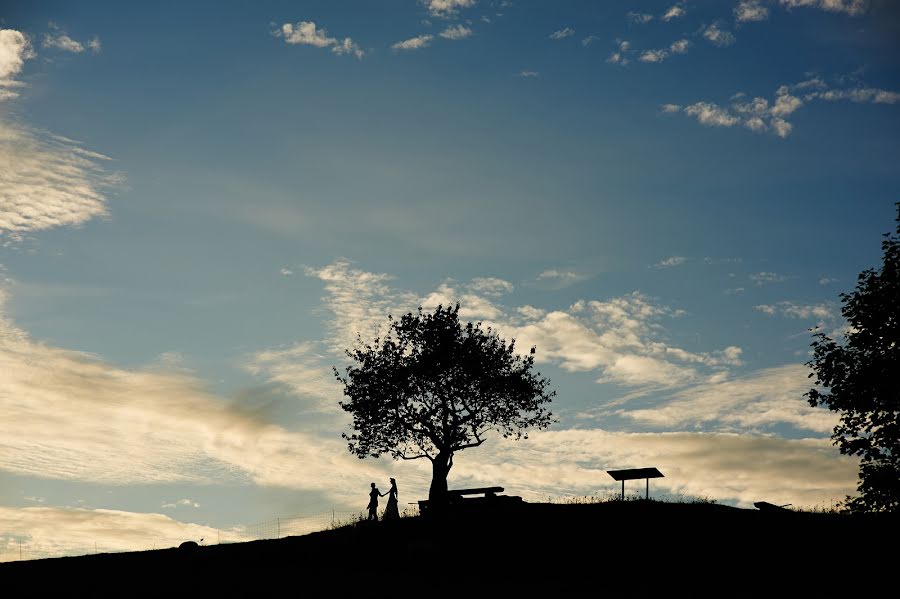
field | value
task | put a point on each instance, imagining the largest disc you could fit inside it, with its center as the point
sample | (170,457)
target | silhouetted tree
(860,378)
(433,387)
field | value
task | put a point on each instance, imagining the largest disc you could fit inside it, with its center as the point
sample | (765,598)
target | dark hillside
(634,547)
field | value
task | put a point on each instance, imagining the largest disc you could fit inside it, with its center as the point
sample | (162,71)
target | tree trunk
(440,468)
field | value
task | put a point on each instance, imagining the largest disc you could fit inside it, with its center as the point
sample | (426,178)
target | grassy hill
(636,547)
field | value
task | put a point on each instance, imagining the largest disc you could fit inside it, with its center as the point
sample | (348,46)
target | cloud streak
(48,181)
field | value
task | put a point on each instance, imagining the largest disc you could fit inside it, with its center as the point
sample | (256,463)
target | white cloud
(640,18)
(719,37)
(670,262)
(562,33)
(528,74)
(308,34)
(680,46)
(48,181)
(653,55)
(765,398)
(286,272)
(63,42)
(759,115)
(15,49)
(794,310)
(670,108)
(348,46)
(181,503)
(827,280)
(785,105)
(414,43)
(762,278)
(456,32)
(589,40)
(560,278)
(446,8)
(750,10)
(674,12)
(782,127)
(711,115)
(858,94)
(491,286)
(304,371)
(850,7)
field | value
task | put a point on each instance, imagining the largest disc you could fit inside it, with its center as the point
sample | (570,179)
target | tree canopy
(432,387)
(860,378)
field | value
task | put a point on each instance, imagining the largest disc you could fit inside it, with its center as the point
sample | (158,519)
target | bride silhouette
(391,511)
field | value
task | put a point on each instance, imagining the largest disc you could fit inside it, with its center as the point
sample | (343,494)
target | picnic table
(470,497)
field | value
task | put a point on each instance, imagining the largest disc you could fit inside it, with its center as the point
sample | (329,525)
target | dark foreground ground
(633,548)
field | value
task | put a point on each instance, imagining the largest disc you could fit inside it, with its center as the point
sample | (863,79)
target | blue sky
(201,205)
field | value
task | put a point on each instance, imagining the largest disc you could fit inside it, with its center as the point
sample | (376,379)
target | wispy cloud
(62,41)
(674,12)
(766,398)
(446,8)
(620,56)
(589,40)
(850,7)
(559,278)
(49,181)
(670,262)
(827,280)
(659,55)
(181,503)
(762,115)
(308,34)
(67,415)
(286,272)
(640,18)
(765,277)
(456,32)
(528,74)
(414,43)
(750,10)
(801,311)
(562,33)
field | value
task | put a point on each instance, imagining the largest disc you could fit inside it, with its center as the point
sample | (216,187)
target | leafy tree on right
(860,378)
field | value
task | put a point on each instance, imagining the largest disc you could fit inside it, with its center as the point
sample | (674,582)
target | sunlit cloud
(446,8)
(717,36)
(414,43)
(849,7)
(750,10)
(769,397)
(15,49)
(48,181)
(456,32)
(762,115)
(562,33)
(308,34)
(675,11)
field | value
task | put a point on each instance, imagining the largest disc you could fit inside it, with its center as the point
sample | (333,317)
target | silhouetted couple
(391,511)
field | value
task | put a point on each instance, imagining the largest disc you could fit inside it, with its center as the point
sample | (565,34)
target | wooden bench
(457,497)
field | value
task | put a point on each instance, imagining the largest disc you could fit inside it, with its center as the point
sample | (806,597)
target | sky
(202,204)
